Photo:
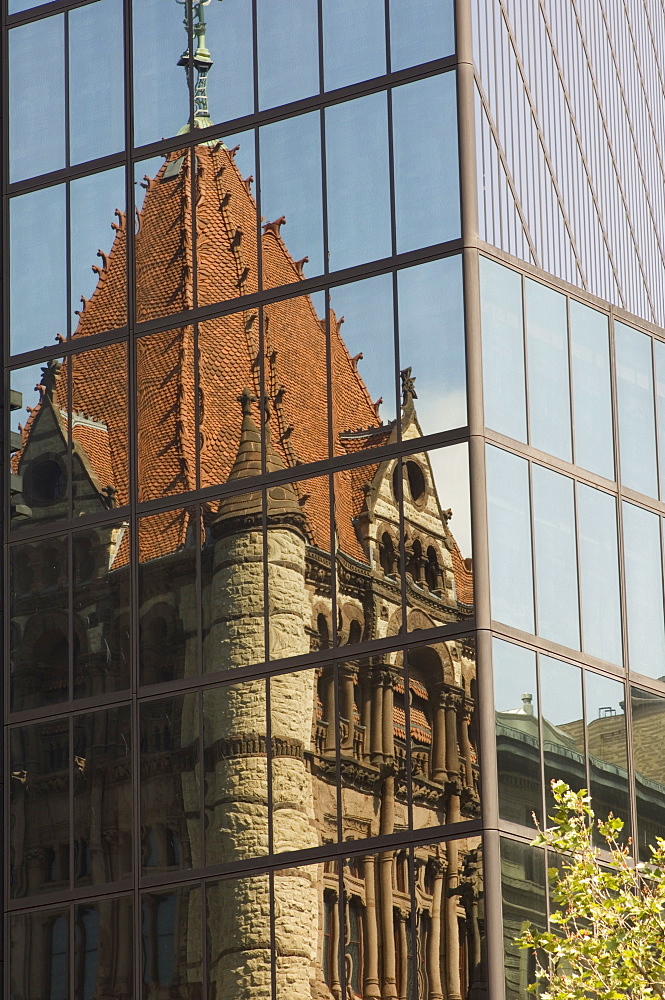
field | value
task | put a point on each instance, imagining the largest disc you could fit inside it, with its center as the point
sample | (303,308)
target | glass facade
(333,515)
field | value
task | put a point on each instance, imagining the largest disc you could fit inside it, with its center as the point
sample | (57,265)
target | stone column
(433,952)
(465,745)
(387,825)
(439,735)
(329,714)
(403,984)
(347,680)
(335,982)
(372,986)
(376,730)
(452,927)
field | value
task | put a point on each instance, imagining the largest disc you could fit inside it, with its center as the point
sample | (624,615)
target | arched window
(59,959)
(354,947)
(387,555)
(433,574)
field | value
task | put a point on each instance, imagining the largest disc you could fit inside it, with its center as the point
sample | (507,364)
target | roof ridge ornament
(195,26)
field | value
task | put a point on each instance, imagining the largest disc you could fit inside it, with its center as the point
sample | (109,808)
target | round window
(416,479)
(45,481)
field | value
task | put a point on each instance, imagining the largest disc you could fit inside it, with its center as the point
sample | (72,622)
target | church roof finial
(202,60)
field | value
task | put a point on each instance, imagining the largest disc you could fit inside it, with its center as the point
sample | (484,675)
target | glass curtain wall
(240,684)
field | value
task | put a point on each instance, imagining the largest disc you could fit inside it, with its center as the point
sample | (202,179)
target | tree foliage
(607,936)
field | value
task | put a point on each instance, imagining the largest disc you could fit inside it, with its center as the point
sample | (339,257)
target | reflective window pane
(39,623)
(230,81)
(40,841)
(39,954)
(503,349)
(659,354)
(647,720)
(96,127)
(427,208)
(510,539)
(288,51)
(103,947)
(420,31)
(517,732)
(637,436)
(549,391)
(171,941)
(524,895)
(358,187)
(644,591)
(354,45)
(170,783)
(431,342)
(592,402)
(103,808)
(599,574)
(556,557)
(608,752)
(37,240)
(563,726)
(161,93)
(37,135)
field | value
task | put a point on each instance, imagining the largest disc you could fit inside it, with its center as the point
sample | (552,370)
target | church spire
(202,60)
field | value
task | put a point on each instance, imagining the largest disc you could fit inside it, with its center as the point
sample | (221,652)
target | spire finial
(202,61)
(246,399)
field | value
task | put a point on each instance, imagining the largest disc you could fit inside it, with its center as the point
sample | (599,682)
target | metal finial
(408,387)
(202,60)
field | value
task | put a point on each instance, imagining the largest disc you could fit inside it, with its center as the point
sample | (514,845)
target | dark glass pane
(168,615)
(436,515)
(100,475)
(236,772)
(517,733)
(291,194)
(637,433)
(556,557)
(427,205)
(233,577)
(39,955)
(171,939)
(358,186)
(354,46)
(503,349)
(103,807)
(563,726)
(226,220)
(647,721)
(96,126)
(510,539)
(161,93)
(103,948)
(420,31)
(170,782)
(37,247)
(549,386)
(363,354)
(524,892)
(97,252)
(166,413)
(39,810)
(37,99)
(38,446)
(288,51)
(431,342)
(608,752)
(39,624)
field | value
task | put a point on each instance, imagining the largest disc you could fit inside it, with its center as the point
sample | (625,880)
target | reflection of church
(202,396)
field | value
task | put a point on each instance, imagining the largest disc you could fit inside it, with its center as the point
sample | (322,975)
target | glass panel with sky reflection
(37,99)
(288,51)
(563,726)
(599,574)
(291,196)
(96,124)
(503,349)
(556,557)
(161,94)
(607,747)
(659,355)
(511,574)
(420,31)
(644,591)
(592,399)
(517,732)
(358,186)
(637,434)
(427,206)
(231,79)
(37,268)
(354,46)
(431,341)
(549,391)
